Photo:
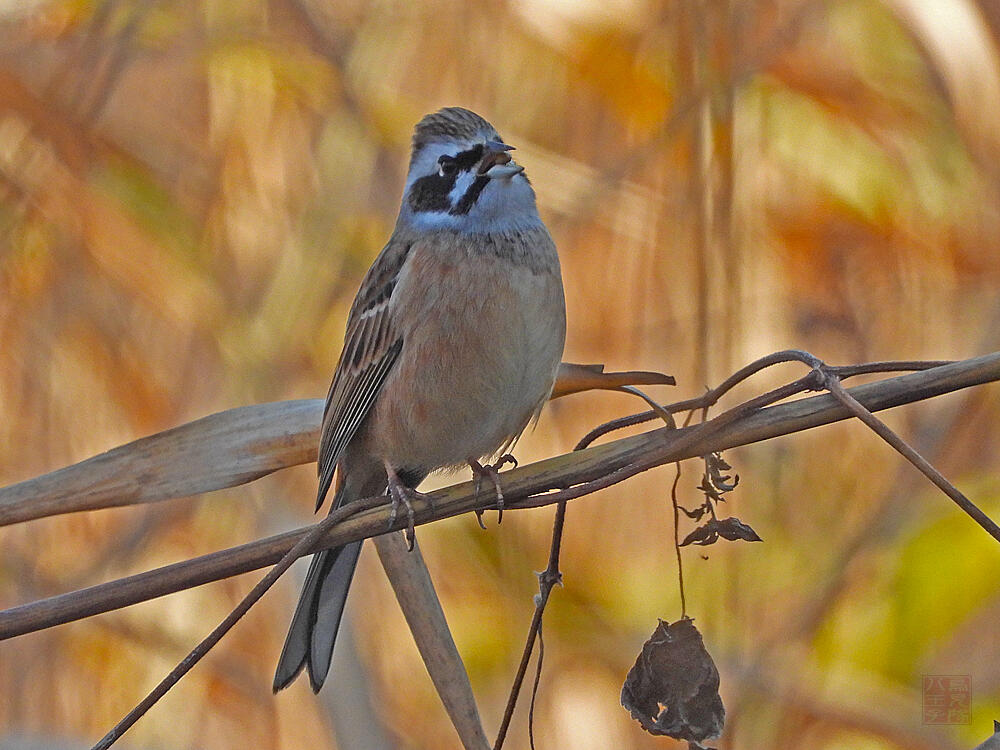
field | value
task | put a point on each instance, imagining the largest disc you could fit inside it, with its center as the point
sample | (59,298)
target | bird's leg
(403,495)
(478,471)
(491,471)
(505,459)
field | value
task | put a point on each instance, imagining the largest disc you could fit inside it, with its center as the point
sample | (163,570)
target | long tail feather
(317,617)
(314,626)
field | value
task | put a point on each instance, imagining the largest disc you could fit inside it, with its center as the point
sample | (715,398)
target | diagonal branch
(820,373)
(223,450)
(527,487)
(923,465)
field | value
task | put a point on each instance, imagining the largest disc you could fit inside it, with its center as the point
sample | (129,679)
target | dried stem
(556,480)
(306,544)
(546,580)
(677,538)
(526,487)
(820,376)
(817,378)
(712,396)
(882,430)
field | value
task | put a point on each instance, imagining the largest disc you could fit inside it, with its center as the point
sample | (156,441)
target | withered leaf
(716,465)
(697,513)
(732,529)
(710,490)
(673,688)
(716,460)
(703,535)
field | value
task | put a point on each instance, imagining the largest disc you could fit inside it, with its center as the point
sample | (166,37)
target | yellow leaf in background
(607,62)
(241,88)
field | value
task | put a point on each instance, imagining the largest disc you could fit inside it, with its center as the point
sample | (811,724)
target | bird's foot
(492,471)
(505,459)
(400,494)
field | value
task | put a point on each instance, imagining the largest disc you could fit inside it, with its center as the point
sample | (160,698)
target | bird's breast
(483,335)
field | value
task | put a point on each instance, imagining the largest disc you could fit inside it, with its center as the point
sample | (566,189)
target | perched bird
(451,349)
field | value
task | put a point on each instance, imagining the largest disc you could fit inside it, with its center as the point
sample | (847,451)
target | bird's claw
(493,472)
(506,458)
(401,495)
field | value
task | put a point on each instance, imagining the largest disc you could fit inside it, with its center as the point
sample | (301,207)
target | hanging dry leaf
(673,688)
(731,529)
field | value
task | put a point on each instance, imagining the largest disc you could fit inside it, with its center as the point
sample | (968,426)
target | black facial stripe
(430,193)
(468,159)
(471,196)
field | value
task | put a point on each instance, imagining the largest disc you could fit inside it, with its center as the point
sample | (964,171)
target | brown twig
(677,539)
(820,376)
(606,465)
(551,575)
(308,543)
(221,450)
(831,377)
(529,486)
(711,397)
(883,431)
(534,690)
(546,580)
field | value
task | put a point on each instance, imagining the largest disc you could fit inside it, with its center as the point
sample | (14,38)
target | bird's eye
(447,166)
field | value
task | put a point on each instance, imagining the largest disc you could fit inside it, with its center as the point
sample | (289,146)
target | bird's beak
(497,162)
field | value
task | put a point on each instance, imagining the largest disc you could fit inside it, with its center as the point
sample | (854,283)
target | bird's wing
(371,345)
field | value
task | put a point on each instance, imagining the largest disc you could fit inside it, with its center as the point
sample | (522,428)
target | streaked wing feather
(371,346)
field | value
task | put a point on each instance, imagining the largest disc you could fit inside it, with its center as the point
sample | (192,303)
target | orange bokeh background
(191,191)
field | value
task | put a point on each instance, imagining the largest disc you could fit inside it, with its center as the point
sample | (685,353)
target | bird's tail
(317,616)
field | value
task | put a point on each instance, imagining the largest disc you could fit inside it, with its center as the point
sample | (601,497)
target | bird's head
(462,177)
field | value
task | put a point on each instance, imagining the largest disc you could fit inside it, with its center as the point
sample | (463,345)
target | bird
(452,347)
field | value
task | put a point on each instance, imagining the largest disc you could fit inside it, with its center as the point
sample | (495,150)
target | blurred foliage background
(190,192)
